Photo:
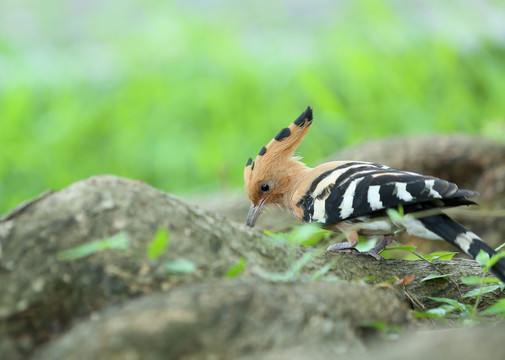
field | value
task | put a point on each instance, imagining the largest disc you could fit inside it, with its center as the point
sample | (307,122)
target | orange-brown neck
(292,173)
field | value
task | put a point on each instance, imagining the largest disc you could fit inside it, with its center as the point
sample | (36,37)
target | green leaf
(471,280)
(305,235)
(438,312)
(390,281)
(411,257)
(236,269)
(496,308)
(366,243)
(408,248)
(494,259)
(381,326)
(308,235)
(441,311)
(279,237)
(181,266)
(451,302)
(435,276)
(440,255)
(477,280)
(386,253)
(158,244)
(478,291)
(269,233)
(397,216)
(118,241)
(394,215)
(377,324)
(401,212)
(419,314)
(482,258)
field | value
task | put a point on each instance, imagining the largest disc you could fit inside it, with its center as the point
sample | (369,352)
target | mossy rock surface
(102,305)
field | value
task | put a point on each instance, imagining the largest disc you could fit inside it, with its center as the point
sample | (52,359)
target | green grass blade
(158,244)
(479,291)
(236,269)
(435,276)
(119,241)
(496,308)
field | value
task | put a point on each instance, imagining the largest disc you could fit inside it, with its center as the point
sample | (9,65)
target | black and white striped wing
(358,189)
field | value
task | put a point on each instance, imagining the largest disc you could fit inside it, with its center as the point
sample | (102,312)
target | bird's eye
(265,187)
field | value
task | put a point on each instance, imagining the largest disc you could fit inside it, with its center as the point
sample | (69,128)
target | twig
(437,269)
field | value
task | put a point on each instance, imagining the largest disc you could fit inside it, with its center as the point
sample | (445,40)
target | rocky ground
(78,280)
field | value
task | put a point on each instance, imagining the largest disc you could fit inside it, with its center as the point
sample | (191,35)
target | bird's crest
(280,148)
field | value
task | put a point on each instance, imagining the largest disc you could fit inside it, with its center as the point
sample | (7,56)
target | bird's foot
(388,239)
(374,252)
(341,247)
(347,248)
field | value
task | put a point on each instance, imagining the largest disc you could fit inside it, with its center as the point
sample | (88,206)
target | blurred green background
(180,93)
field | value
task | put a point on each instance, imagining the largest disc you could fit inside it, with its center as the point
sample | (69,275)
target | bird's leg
(352,240)
(346,246)
(388,239)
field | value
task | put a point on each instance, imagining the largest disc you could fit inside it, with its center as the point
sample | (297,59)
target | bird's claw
(373,253)
(345,247)
(341,247)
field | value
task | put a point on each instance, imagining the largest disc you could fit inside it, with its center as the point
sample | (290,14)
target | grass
(466,313)
(180,96)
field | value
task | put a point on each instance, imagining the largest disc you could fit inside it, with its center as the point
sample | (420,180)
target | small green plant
(295,271)
(305,235)
(179,267)
(388,331)
(487,262)
(435,276)
(470,313)
(118,241)
(498,308)
(158,244)
(236,269)
(452,309)
(449,310)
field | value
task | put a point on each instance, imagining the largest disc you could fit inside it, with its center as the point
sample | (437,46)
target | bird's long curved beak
(254,212)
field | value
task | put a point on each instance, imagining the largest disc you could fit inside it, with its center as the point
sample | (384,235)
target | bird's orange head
(270,178)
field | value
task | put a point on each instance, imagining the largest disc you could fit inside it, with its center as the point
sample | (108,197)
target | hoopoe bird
(352,197)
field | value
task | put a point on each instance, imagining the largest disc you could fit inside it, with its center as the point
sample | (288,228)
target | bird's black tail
(465,240)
